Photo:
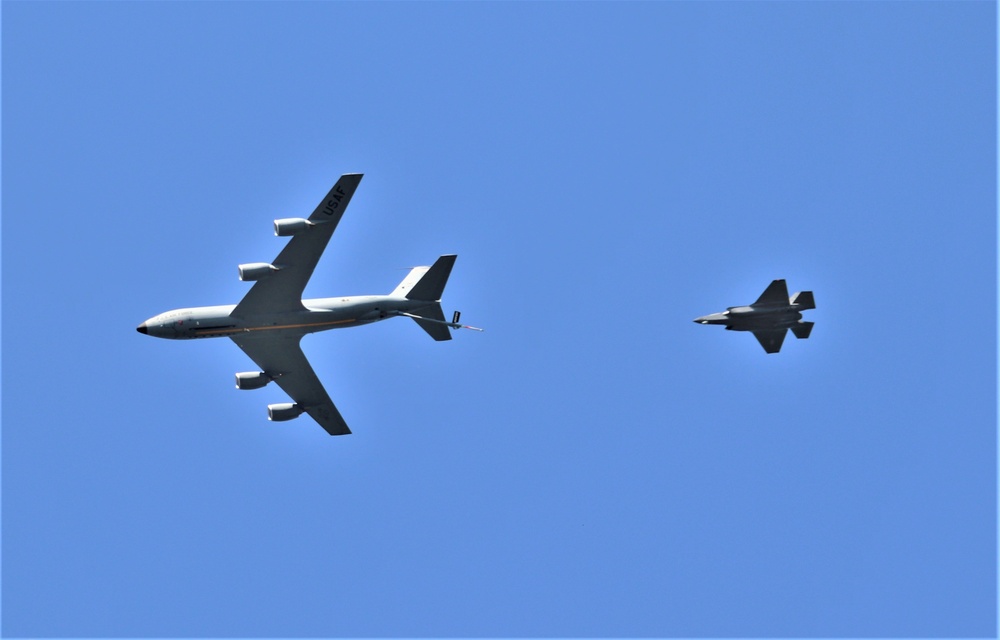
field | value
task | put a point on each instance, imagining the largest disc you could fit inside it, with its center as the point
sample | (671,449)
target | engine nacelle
(291,226)
(252,380)
(283,411)
(256,270)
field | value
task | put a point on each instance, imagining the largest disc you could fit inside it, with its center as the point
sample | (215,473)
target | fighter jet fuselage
(753,318)
(770,317)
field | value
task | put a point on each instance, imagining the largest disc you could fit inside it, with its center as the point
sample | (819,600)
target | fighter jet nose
(143,329)
(712,318)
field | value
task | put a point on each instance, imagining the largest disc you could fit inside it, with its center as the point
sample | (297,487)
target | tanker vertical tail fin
(426,283)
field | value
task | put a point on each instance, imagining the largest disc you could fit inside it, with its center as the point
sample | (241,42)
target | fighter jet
(272,317)
(770,317)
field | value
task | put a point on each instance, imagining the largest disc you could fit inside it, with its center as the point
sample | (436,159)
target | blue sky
(594,464)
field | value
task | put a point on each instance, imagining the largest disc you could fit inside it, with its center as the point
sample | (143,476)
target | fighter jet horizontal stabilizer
(802,329)
(804,300)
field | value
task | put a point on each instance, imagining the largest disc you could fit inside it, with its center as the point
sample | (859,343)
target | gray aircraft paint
(272,317)
(770,317)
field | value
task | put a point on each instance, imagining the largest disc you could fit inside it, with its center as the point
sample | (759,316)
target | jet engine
(291,226)
(255,271)
(283,411)
(252,380)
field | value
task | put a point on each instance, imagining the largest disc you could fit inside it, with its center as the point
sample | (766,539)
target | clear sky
(594,464)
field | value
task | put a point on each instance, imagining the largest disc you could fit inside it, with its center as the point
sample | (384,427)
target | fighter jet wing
(771,340)
(776,293)
(281,290)
(281,358)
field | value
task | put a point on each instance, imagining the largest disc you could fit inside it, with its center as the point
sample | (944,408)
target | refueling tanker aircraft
(770,317)
(272,317)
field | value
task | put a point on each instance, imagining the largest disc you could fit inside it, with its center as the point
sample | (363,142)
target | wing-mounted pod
(252,380)
(284,411)
(291,226)
(256,270)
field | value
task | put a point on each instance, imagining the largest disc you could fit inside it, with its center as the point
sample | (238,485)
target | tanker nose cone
(142,329)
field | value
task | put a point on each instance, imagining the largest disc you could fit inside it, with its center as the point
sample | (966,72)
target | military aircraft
(770,317)
(272,317)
